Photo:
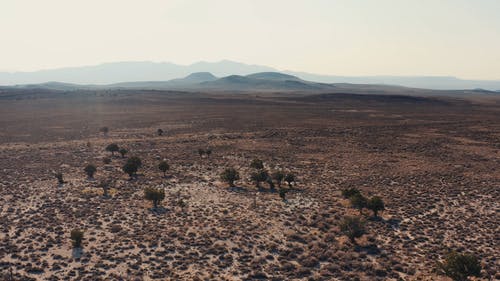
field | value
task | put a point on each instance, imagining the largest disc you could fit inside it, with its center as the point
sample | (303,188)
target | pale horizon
(344,38)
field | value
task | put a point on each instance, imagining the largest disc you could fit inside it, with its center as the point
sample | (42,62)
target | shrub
(159,132)
(347,193)
(106,160)
(230,175)
(59,177)
(460,266)
(283,192)
(90,170)
(375,204)
(135,160)
(76,237)
(352,227)
(155,195)
(257,164)
(208,152)
(112,148)
(259,177)
(163,166)
(201,152)
(104,184)
(359,202)
(278,176)
(123,151)
(289,178)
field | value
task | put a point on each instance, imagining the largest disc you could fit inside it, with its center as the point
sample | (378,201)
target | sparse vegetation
(349,192)
(104,130)
(155,195)
(230,175)
(282,193)
(257,164)
(159,132)
(90,170)
(352,227)
(278,176)
(289,178)
(358,202)
(460,266)
(76,237)
(59,177)
(375,204)
(122,152)
(258,177)
(164,167)
(106,160)
(112,148)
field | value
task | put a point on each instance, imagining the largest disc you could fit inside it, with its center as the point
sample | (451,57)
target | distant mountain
(262,81)
(110,73)
(153,74)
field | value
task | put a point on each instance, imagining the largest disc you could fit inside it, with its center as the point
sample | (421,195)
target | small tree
(208,152)
(375,204)
(123,151)
(90,170)
(230,175)
(359,202)
(283,192)
(460,266)
(155,195)
(112,148)
(159,132)
(257,164)
(259,177)
(76,237)
(289,178)
(59,177)
(278,176)
(104,184)
(352,227)
(347,193)
(163,166)
(270,182)
(131,166)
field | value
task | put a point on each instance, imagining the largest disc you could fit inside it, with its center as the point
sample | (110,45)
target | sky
(339,37)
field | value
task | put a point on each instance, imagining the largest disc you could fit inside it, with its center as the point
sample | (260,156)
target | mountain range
(233,75)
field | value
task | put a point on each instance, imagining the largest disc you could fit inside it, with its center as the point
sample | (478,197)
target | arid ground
(434,161)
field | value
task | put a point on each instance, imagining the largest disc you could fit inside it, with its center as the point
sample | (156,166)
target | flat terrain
(434,161)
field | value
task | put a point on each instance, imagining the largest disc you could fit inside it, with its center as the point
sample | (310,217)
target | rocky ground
(435,163)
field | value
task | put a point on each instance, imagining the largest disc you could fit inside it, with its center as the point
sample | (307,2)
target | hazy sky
(341,37)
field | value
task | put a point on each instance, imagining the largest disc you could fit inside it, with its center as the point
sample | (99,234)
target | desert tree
(159,132)
(358,202)
(123,151)
(258,177)
(269,181)
(352,227)
(230,175)
(164,167)
(278,176)
(105,184)
(76,237)
(257,164)
(90,170)
(59,177)
(132,166)
(208,152)
(348,192)
(155,195)
(375,204)
(460,267)
(112,148)
(289,178)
